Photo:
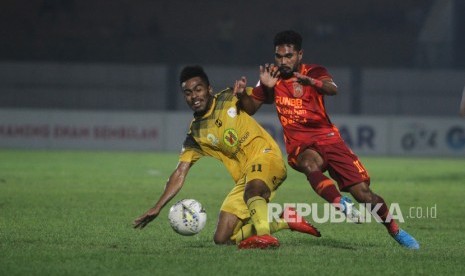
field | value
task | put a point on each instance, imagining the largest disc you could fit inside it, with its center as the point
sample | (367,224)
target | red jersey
(301,110)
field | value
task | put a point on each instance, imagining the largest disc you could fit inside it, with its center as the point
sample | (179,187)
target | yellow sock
(275,226)
(243,233)
(259,215)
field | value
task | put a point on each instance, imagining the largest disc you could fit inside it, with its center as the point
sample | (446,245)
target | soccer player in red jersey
(314,145)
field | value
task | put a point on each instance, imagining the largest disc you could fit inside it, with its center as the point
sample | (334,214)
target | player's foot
(298,223)
(261,242)
(347,207)
(404,239)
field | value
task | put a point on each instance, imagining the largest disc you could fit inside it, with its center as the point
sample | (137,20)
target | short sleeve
(258,93)
(191,151)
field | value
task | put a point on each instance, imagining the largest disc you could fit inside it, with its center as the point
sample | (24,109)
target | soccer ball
(187,217)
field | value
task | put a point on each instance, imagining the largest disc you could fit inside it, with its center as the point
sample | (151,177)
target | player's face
(288,60)
(197,95)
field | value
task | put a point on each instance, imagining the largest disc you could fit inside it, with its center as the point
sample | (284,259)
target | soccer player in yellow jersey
(250,155)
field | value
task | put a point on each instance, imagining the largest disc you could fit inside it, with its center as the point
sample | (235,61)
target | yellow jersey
(227,134)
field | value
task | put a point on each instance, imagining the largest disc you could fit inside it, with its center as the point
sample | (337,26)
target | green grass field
(71,213)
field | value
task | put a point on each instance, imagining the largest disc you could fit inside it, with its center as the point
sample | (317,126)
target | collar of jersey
(210,111)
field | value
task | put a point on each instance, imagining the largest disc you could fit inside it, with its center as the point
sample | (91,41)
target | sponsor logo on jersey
(212,138)
(230,137)
(298,90)
(296,103)
(232,112)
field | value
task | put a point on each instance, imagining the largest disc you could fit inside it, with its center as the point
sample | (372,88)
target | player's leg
(268,173)
(256,196)
(233,213)
(264,175)
(225,227)
(234,223)
(289,219)
(310,163)
(351,175)
(363,194)
(231,229)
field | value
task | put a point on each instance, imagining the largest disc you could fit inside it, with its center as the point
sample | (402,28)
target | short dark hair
(193,71)
(288,37)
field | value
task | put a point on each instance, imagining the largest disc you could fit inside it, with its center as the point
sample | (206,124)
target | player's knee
(362,193)
(308,163)
(256,188)
(305,167)
(367,198)
(221,240)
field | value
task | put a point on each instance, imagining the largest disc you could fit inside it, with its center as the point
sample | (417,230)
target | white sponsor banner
(177,126)
(428,137)
(165,131)
(81,130)
(364,135)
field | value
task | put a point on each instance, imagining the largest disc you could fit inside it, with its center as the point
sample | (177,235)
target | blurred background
(395,33)
(389,58)
(143,39)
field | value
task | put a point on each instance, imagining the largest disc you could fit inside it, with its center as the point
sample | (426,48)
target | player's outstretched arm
(173,186)
(324,86)
(269,75)
(247,103)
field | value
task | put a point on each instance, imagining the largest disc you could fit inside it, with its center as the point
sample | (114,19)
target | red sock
(385,216)
(324,187)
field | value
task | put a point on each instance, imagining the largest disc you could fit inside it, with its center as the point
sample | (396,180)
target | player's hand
(269,75)
(303,79)
(146,218)
(239,87)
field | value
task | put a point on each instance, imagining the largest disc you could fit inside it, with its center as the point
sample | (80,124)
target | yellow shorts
(268,167)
